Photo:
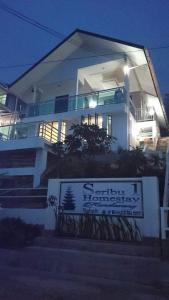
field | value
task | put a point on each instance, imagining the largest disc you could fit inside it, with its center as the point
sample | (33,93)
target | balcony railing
(147,114)
(46,131)
(72,103)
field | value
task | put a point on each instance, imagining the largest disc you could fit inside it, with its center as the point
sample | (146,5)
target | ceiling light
(126,70)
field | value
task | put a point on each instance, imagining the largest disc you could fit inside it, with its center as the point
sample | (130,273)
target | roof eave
(67,38)
(156,86)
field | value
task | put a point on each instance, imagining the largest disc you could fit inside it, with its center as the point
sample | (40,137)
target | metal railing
(89,100)
(147,114)
(72,103)
(44,130)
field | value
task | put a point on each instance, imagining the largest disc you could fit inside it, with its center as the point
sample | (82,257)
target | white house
(87,78)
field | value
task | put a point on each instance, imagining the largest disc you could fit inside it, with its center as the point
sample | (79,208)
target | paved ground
(58,274)
(37,285)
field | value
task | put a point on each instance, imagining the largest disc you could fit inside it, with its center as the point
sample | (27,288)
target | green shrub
(15,233)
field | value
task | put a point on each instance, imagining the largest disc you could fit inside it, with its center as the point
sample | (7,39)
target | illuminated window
(96,120)
(100,121)
(109,125)
(49,131)
(2,99)
(63,131)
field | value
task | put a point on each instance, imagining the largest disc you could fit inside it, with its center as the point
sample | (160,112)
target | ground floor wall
(25,157)
(143,203)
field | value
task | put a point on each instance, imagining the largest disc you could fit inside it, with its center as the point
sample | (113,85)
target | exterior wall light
(126,70)
(151,111)
(92,103)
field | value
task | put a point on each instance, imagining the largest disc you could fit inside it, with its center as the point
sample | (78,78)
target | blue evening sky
(140,21)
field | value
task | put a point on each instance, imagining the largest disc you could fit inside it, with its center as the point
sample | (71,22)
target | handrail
(77,102)
(44,130)
(144,114)
(22,188)
(80,95)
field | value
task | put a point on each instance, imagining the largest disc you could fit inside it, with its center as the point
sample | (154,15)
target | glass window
(3,99)
(96,120)
(49,131)
(100,121)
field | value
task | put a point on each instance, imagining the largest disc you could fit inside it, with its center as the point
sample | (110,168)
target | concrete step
(23,198)
(147,248)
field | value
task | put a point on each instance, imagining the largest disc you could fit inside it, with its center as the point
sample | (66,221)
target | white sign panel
(117,198)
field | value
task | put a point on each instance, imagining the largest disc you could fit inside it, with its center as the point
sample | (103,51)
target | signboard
(116,198)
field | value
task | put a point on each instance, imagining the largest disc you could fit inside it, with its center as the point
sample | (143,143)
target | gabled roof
(139,57)
(66,39)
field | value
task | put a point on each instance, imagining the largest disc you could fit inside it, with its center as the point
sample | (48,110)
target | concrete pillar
(104,122)
(151,225)
(59,130)
(119,131)
(40,165)
(127,89)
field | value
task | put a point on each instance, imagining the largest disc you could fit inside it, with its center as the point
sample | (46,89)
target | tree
(68,201)
(73,158)
(88,139)
(131,162)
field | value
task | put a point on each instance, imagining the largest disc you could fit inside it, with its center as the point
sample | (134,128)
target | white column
(151,205)
(53,190)
(126,78)
(127,89)
(34,93)
(59,130)
(104,121)
(119,131)
(40,165)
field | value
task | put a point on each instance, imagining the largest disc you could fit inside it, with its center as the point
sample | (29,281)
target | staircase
(23,198)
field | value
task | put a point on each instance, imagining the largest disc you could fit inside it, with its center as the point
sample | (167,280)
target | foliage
(86,154)
(131,163)
(74,156)
(15,233)
(87,139)
(58,149)
(99,227)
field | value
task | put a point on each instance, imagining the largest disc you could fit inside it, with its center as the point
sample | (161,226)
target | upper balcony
(73,103)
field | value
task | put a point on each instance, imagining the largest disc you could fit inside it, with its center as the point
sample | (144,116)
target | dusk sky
(139,21)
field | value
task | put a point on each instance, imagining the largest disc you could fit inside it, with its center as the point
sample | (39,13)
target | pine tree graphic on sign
(68,201)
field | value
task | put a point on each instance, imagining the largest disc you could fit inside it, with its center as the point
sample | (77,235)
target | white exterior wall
(40,162)
(62,79)
(31,216)
(132,131)
(120,131)
(40,165)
